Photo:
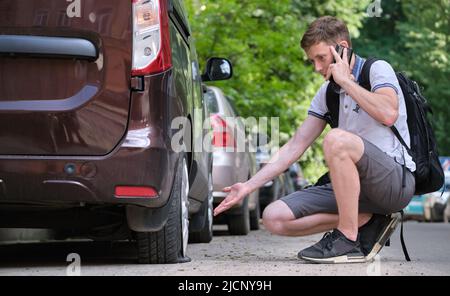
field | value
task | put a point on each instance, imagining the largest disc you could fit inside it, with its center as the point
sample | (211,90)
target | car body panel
(415,210)
(66,106)
(120,135)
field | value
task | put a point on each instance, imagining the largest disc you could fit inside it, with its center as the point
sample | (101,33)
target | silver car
(230,167)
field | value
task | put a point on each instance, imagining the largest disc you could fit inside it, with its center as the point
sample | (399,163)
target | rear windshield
(211,101)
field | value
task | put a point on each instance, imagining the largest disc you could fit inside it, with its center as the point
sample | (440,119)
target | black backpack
(429,175)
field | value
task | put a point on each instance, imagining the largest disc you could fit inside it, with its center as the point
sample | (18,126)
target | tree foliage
(272,75)
(414,36)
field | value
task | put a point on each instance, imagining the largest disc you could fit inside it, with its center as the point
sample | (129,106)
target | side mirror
(217,69)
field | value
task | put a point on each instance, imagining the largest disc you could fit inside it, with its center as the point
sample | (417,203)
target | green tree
(414,36)
(272,77)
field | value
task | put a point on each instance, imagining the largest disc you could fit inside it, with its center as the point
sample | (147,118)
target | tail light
(222,133)
(135,192)
(151,37)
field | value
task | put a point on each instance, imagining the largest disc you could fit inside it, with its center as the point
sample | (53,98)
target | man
(364,158)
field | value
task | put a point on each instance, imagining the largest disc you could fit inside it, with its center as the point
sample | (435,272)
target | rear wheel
(447,213)
(254,216)
(282,189)
(437,212)
(169,244)
(239,224)
(290,188)
(278,189)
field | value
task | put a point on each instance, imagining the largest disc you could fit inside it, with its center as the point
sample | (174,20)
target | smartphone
(340,50)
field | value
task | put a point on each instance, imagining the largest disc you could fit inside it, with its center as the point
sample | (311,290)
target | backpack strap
(397,134)
(325,179)
(364,77)
(402,240)
(332,100)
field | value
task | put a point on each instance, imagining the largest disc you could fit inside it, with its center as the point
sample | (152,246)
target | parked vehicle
(436,202)
(230,167)
(447,211)
(445,162)
(431,207)
(415,210)
(284,184)
(296,174)
(87,105)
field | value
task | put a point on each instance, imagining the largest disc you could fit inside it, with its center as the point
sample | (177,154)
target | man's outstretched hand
(237,192)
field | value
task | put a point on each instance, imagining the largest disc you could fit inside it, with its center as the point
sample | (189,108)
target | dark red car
(89,90)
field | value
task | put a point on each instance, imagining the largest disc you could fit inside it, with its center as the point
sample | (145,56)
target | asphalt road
(258,253)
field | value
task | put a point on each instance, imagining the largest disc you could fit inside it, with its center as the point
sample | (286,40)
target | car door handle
(57,47)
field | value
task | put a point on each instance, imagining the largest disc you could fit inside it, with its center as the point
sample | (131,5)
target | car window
(228,110)
(181,11)
(211,101)
(232,106)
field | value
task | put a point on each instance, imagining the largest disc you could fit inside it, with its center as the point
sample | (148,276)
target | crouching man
(367,181)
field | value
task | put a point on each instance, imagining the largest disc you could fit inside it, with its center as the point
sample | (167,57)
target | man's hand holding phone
(343,67)
(340,70)
(237,192)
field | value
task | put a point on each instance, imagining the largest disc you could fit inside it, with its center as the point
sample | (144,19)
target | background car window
(232,106)
(211,101)
(229,111)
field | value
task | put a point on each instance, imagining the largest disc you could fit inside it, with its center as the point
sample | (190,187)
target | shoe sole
(336,260)
(383,238)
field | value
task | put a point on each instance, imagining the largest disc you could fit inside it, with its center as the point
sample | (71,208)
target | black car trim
(177,21)
(62,47)
(63,105)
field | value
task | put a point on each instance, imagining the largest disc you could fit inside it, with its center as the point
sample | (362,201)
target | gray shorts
(381,188)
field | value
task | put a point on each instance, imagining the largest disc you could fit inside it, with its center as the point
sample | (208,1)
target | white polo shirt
(354,119)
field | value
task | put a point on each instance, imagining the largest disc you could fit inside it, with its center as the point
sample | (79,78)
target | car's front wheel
(169,244)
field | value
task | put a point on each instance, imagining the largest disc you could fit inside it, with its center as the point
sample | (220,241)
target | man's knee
(275,216)
(339,143)
(334,142)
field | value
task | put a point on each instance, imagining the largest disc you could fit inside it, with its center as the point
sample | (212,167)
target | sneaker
(374,235)
(334,247)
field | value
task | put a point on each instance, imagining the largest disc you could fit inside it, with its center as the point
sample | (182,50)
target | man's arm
(306,134)
(382,105)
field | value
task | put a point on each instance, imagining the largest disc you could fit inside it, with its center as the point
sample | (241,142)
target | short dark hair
(326,28)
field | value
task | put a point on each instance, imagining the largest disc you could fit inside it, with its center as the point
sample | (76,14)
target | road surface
(258,253)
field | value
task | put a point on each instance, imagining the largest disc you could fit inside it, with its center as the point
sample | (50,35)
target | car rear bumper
(224,175)
(144,157)
(93,181)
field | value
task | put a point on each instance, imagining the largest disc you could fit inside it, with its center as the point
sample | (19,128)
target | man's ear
(344,43)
